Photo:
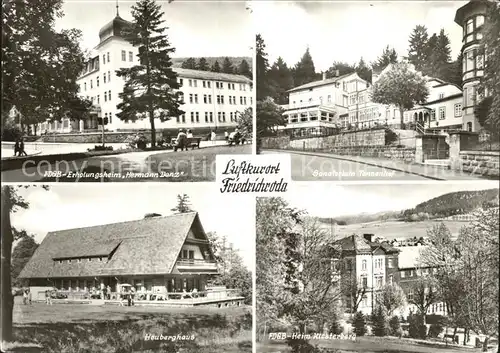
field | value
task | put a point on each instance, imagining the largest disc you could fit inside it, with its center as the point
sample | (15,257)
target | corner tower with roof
(472,17)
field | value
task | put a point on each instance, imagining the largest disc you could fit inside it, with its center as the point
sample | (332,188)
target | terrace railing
(197,263)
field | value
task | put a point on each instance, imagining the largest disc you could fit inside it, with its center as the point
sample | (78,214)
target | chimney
(324,75)
(368,237)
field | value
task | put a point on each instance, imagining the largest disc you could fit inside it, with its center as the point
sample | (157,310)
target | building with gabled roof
(156,254)
(363,266)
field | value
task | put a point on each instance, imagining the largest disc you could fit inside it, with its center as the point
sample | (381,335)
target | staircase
(419,128)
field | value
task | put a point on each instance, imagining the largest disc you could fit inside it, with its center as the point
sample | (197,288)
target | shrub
(417,328)
(435,330)
(395,326)
(11,133)
(300,346)
(380,324)
(359,324)
(103,148)
(334,326)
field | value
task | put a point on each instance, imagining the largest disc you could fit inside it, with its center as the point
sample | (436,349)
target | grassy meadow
(394,229)
(81,328)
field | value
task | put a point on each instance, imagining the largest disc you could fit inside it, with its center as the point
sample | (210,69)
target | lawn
(72,328)
(181,166)
(369,345)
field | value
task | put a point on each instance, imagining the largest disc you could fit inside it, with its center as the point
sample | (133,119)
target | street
(310,166)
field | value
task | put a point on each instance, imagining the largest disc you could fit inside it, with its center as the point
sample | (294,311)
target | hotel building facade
(211,100)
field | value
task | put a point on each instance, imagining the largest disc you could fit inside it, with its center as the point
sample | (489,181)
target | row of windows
(187,254)
(379,281)
(329,100)
(367,114)
(207,99)
(208,84)
(472,60)
(415,273)
(97,100)
(109,116)
(208,117)
(130,56)
(378,264)
(107,78)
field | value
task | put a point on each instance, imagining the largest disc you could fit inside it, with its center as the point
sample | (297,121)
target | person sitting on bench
(189,134)
(181,142)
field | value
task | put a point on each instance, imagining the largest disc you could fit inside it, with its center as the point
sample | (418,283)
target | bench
(190,142)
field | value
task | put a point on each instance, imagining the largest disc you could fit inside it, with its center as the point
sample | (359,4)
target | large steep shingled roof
(146,246)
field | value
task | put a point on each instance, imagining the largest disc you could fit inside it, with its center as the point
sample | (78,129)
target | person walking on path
(29,297)
(25,297)
(16,147)
(22,152)
(212,137)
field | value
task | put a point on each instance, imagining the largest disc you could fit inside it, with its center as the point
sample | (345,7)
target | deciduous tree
(22,253)
(39,64)
(12,201)
(402,87)
(269,117)
(245,122)
(151,88)
(391,297)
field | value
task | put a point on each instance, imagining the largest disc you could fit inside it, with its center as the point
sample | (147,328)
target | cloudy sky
(196,28)
(67,206)
(323,199)
(346,31)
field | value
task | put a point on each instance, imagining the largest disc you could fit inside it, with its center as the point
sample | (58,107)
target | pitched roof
(409,256)
(146,246)
(209,75)
(358,244)
(320,83)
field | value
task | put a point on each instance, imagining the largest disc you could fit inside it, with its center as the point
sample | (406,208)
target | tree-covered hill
(454,203)
(218,64)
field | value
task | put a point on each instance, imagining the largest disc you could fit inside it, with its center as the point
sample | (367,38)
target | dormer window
(441,95)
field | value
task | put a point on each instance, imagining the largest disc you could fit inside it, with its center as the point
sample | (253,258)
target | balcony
(196,264)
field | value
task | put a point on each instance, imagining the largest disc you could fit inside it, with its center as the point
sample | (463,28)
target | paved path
(309,166)
(135,162)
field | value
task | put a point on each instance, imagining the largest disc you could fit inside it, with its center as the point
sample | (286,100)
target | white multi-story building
(211,100)
(441,111)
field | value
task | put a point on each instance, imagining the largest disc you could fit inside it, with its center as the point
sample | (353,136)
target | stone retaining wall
(481,162)
(347,139)
(395,153)
(374,137)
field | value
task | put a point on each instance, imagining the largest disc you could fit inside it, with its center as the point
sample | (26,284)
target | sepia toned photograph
(124,90)
(115,268)
(413,96)
(378,268)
